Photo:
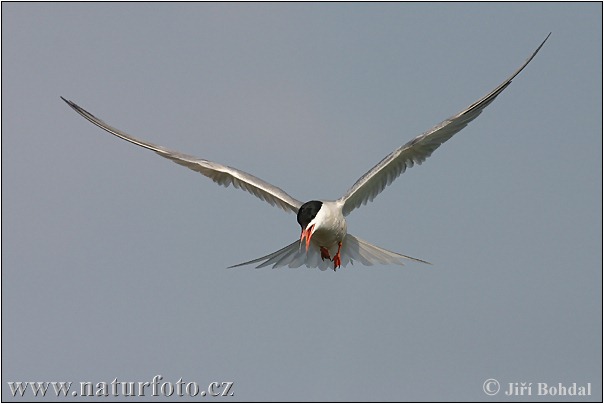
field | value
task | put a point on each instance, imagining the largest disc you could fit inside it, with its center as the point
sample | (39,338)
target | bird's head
(306,218)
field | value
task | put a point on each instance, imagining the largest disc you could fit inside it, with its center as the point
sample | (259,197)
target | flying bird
(324,240)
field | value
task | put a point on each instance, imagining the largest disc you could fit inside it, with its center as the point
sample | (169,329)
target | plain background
(114,259)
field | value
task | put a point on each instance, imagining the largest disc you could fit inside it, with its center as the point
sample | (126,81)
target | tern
(324,239)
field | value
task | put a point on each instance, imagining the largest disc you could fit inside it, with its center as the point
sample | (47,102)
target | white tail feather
(353,249)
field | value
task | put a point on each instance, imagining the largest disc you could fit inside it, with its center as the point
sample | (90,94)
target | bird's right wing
(419,149)
(220,174)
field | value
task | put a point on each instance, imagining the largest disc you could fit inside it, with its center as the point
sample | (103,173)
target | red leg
(336,258)
(325,253)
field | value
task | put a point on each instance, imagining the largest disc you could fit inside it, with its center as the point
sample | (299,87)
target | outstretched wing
(353,249)
(418,149)
(220,174)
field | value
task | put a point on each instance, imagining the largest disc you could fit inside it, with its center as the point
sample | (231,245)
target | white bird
(324,239)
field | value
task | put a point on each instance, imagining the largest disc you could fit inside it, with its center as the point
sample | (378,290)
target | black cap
(307,212)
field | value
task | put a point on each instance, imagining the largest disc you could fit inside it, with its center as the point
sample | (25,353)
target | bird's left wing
(220,174)
(418,149)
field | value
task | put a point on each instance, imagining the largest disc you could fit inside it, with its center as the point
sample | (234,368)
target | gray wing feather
(220,174)
(419,149)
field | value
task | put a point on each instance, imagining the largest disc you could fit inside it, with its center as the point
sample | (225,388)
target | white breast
(330,225)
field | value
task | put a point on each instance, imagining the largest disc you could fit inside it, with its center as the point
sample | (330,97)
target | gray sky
(113,259)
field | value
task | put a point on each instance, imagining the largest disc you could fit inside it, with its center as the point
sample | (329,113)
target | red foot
(336,258)
(325,253)
(336,261)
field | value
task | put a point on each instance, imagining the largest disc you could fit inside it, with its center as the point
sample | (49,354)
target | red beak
(307,234)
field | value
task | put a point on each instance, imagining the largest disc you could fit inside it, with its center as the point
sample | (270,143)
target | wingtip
(540,46)
(236,265)
(68,102)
